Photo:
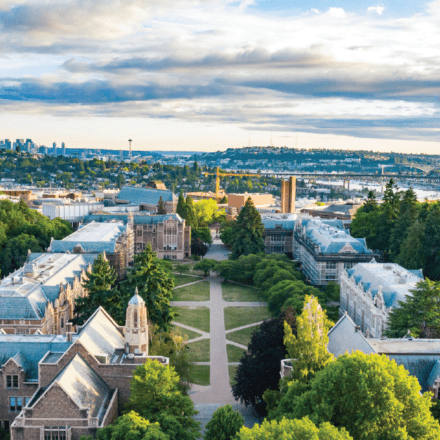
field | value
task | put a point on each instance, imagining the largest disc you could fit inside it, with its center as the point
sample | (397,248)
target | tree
(161,207)
(155,287)
(412,250)
(224,425)
(198,248)
(309,346)
(419,313)
(131,426)
(223,201)
(248,236)
(191,218)
(371,202)
(203,234)
(121,180)
(206,265)
(155,394)
(303,429)
(99,293)
(15,252)
(369,395)
(181,206)
(259,368)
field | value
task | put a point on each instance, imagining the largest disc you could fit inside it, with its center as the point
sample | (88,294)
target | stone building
(369,291)
(340,211)
(63,387)
(278,234)
(148,198)
(325,251)
(168,234)
(40,296)
(114,238)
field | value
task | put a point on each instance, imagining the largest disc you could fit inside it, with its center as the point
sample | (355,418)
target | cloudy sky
(210,74)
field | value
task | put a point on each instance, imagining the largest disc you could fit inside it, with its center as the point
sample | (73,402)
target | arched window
(135,319)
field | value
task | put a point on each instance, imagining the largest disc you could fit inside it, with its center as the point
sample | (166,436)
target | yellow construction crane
(218,174)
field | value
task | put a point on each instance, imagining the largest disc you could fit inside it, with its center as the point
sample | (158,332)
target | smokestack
(129,148)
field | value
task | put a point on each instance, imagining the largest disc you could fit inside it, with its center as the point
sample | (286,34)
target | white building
(369,291)
(70,211)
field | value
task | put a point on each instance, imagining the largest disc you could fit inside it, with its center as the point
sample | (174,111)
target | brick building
(114,238)
(168,234)
(40,296)
(63,387)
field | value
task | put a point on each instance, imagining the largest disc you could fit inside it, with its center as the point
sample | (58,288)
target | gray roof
(435,374)
(147,196)
(273,224)
(138,219)
(83,385)
(136,300)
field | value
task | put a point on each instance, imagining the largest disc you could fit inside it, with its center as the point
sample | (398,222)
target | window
(139,232)
(7,425)
(12,381)
(135,319)
(331,264)
(15,404)
(62,322)
(26,401)
(54,434)
(348,265)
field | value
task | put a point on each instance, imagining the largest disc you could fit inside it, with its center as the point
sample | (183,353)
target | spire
(136,327)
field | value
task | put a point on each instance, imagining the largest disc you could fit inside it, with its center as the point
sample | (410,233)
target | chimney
(69,332)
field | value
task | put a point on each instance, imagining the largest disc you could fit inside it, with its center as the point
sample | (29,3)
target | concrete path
(217,251)
(189,284)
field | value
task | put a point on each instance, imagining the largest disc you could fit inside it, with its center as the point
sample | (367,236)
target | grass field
(234,353)
(201,374)
(243,336)
(199,351)
(232,370)
(238,316)
(195,292)
(235,292)
(180,280)
(183,331)
(197,317)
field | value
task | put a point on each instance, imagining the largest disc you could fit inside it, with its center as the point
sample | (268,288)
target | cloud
(377,9)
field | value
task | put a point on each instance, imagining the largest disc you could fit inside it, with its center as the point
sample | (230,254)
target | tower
(288,195)
(136,327)
(129,148)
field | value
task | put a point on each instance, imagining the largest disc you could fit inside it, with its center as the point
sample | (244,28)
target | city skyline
(203,75)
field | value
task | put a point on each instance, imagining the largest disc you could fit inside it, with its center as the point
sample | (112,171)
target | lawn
(197,317)
(200,374)
(195,292)
(236,292)
(234,353)
(183,331)
(180,280)
(232,370)
(238,316)
(243,336)
(199,351)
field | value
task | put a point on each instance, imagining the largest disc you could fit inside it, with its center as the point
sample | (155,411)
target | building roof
(145,196)
(395,281)
(273,224)
(136,300)
(25,293)
(138,218)
(93,238)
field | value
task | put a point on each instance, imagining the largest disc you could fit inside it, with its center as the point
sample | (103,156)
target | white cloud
(377,9)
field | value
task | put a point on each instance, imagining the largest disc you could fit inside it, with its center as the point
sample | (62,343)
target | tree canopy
(224,425)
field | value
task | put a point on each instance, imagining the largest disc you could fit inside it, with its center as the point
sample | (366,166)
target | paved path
(217,251)
(189,284)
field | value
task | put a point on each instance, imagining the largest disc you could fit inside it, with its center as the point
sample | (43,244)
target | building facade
(63,387)
(114,238)
(40,296)
(148,198)
(278,234)
(369,291)
(168,234)
(325,250)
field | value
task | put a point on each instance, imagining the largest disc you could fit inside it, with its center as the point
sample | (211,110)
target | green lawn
(197,317)
(180,280)
(235,292)
(195,292)
(232,370)
(199,351)
(200,374)
(243,336)
(234,353)
(238,316)
(183,331)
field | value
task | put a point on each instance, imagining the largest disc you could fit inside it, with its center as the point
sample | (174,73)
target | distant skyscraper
(288,195)
(54,149)
(121,154)
(63,148)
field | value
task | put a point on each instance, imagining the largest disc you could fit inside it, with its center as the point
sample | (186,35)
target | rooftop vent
(387,267)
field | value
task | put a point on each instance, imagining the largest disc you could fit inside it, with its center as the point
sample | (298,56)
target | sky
(206,75)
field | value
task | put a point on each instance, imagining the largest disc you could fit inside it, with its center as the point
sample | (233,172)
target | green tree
(99,293)
(155,395)
(248,236)
(198,248)
(202,233)
(419,313)
(207,212)
(191,218)
(371,202)
(181,206)
(223,201)
(369,395)
(412,250)
(303,429)
(224,425)
(15,252)
(120,181)
(206,265)
(131,426)
(161,207)
(155,286)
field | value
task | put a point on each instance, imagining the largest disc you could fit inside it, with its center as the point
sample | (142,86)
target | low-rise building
(325,250)
(114,238)
(342,211)
(278,233)
(369,291)
(148,198)
(40,296)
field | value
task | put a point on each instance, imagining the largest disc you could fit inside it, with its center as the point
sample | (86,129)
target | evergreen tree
(371,202)
(155,286)
(412,250)
(248,236)
(181,206)
(431,243)
(161,207)
(99,293)
(191,218)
